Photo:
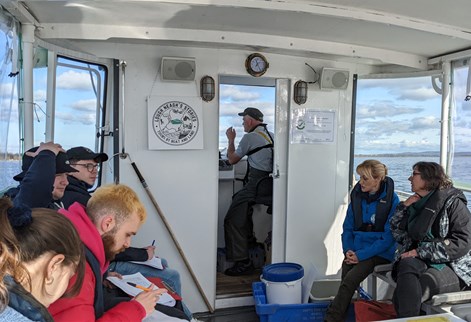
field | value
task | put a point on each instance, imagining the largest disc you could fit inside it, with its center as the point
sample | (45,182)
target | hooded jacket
(77,191)
(367,244)
(82,305)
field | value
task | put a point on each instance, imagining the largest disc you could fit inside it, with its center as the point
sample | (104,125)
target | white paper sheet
(154,262)
(158,316)
(139,279)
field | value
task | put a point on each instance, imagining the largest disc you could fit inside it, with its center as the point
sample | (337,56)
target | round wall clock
(256,64)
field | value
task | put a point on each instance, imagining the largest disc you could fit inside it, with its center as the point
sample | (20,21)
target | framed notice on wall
(174,123)
(312,126)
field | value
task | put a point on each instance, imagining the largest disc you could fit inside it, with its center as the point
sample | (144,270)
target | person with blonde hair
(366,239)
(40,251)
(113,215)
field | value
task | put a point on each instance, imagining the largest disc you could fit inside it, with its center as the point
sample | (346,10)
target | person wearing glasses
(433,233)
(87,164)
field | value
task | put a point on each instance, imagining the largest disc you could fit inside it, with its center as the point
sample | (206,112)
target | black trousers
(352,276)
(238,225)
(416,283)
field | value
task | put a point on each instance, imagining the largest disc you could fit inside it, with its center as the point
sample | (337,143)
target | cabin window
(459,161)
(234,99)
(397,122)
(79,103)
(10,147)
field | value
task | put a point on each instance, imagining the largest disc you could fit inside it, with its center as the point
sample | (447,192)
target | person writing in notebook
(86,163)
(257,144)
(113,215)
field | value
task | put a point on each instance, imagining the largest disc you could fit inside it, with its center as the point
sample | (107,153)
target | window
(234,99)
(10,147)
(79,103)
(397,122)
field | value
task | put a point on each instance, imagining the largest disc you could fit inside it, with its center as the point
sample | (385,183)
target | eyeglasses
(415,173)
(90,166)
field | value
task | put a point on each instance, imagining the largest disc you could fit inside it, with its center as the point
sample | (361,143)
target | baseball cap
(83,153)
(253,112)
(62,164)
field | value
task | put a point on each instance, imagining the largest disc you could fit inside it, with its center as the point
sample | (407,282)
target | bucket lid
(283,272)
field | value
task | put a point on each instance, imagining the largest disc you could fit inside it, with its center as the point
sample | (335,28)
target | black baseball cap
(62,164)
(83,153)
(253,112)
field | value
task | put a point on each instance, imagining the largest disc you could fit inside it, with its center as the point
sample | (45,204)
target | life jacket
(433,209)
(270,145)
(383,207)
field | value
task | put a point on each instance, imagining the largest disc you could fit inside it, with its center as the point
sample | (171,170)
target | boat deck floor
(233,286)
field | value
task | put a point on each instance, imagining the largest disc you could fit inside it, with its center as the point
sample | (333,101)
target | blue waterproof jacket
(367,244)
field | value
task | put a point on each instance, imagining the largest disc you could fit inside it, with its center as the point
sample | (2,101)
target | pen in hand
(147,289)
(153,242)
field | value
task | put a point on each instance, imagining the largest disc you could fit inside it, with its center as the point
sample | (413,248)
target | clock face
(256,64)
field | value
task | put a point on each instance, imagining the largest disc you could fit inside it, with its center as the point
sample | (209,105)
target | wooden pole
(169,229)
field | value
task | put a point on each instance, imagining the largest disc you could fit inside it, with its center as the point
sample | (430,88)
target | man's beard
(109,245)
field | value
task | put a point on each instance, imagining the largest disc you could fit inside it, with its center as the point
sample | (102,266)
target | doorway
(235,94)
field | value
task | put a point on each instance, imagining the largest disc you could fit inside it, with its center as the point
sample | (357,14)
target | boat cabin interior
(105,74)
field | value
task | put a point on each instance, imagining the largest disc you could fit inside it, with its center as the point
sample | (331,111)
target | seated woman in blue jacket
(366,239)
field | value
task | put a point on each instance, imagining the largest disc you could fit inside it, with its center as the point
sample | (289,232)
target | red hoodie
(80,308)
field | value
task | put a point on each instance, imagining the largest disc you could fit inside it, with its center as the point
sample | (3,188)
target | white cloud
(74,80)
(88,105)
(378,109)
(417,94)
(40,95)
(69,118)
(235,94)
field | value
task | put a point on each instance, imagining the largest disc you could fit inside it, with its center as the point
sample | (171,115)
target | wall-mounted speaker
(177,69)
(332,78)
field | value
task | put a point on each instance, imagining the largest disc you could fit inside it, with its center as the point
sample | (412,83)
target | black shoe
(240,268)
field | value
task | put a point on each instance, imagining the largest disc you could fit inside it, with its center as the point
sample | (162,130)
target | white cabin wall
(185,183)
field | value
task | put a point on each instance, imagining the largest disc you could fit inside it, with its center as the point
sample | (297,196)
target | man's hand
(51,146)
(149,299)
(150,251)
(231,134)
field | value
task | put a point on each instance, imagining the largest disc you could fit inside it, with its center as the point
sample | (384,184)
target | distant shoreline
(411,154)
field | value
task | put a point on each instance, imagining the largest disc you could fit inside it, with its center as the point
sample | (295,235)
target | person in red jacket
(113,215)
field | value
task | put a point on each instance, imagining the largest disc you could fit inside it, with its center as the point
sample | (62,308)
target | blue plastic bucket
(283,283)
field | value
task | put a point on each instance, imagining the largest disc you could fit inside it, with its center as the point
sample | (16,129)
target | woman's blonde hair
(372,169)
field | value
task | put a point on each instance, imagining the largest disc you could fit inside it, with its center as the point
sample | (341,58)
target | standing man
(257,145)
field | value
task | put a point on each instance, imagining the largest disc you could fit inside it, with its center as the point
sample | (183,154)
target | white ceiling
(377,32)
